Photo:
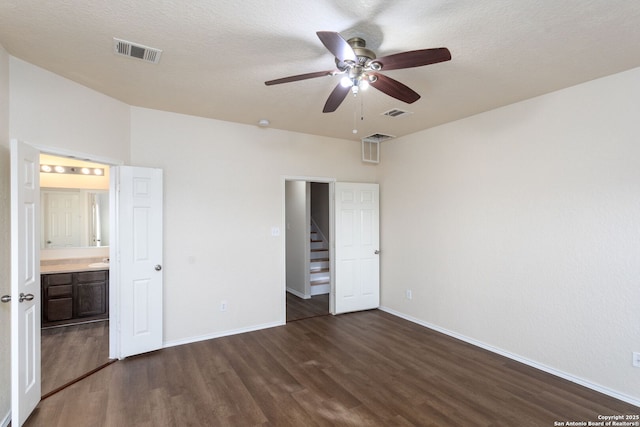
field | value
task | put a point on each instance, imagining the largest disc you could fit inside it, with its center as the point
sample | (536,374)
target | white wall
(320,206)
(49,110)
(5,240)
(297,237)
(520,228)
(224,192)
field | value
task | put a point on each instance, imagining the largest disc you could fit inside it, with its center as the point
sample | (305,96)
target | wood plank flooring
(71,351)
(299,308)
(361,369)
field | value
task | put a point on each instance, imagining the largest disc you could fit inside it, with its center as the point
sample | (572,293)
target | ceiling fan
(361,68)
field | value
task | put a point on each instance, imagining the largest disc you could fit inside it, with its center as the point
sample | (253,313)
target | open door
(25,281)
(136,260)
(357,239)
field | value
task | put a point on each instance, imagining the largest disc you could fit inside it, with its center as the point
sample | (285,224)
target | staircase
(320,276)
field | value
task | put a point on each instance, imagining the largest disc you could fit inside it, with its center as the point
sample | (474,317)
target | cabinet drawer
(59,291)
(92,276)
(58,279)
(59,309)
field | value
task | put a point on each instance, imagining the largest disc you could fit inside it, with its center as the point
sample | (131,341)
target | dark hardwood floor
(361,369)
(299,308)
(69,352)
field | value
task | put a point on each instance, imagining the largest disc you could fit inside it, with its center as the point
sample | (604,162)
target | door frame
(324,180)
(113,284)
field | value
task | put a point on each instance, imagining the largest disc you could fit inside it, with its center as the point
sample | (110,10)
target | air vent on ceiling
(378,137)
(138,51)
(396,112)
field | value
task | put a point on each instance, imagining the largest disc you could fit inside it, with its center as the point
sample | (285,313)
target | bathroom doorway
(74,235)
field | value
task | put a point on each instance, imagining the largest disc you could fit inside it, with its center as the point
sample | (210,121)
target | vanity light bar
(77,170)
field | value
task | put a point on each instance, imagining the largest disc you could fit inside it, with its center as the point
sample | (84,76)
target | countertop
(69,265)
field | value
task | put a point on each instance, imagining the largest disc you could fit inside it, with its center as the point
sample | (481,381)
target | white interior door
(25,281)
(62,224)
(357,237)
(138,259)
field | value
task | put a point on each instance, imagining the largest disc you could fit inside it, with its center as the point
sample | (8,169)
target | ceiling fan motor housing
(360,48)
(365,56)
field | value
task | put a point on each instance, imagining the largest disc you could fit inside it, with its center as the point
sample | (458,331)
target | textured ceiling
(217,54)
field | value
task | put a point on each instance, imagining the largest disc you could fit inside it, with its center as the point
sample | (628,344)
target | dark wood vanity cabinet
(74,297)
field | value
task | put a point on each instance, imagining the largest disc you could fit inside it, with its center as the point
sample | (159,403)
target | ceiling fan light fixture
(346,82)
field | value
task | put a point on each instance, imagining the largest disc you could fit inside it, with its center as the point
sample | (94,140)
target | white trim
(215,335)
(77,155)
(308,178)
(533,364)
(298,293)
(6,420)
(114,265)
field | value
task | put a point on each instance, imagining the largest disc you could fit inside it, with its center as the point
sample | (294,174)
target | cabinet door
(91,299)
(58,309)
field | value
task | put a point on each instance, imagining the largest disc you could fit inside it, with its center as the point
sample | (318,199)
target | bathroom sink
(99,265)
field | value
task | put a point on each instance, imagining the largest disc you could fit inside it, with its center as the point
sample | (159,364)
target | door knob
(25,297)
(377,252)
(5,298)
(158,267)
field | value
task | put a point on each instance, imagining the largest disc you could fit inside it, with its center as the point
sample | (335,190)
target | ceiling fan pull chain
(355,118)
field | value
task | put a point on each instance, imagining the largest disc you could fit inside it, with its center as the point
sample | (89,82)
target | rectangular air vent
(137,51)
(396,112)
(377,137)
(371,147)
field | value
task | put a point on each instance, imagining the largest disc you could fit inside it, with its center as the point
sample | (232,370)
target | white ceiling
(217,54)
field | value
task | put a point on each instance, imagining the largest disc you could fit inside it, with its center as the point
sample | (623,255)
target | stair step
(319,249)
(316,240)
(320,282)
(319,270)
(319,260)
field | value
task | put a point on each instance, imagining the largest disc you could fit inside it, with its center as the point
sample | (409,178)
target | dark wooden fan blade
(394,88)
(302,77)
(335,99)
(414,58)
(337,46)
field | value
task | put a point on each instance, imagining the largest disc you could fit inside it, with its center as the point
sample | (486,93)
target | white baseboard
(190,340)
(298,293)
(6,420)
(320,289)
(533,364)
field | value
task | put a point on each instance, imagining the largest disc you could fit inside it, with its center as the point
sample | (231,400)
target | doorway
(308,259)
(74,226)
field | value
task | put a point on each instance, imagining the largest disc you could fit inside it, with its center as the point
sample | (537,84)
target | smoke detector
(136,51)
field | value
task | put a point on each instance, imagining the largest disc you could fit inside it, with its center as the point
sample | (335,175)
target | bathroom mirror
(74,218)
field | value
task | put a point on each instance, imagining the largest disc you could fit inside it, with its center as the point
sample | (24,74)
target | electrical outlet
(223,305)
(636,359)
(409,294)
